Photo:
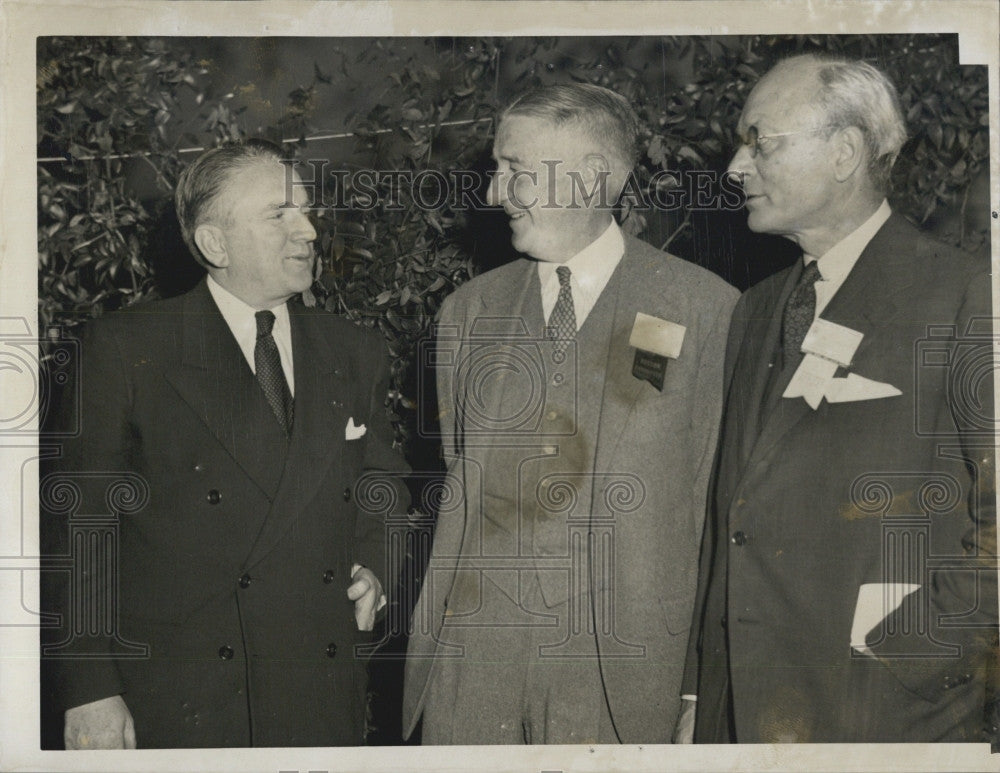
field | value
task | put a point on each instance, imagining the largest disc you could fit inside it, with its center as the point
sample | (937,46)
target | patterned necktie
(269,373)
(799,312)
(562,320)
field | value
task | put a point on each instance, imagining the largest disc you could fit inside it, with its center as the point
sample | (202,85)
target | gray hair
(854,93)
(605,115)
(200,185)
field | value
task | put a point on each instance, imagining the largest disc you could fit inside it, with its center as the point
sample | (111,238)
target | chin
(520,243)
(757,222)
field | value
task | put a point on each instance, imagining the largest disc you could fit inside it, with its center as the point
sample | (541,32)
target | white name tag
(659,336)
(832,342)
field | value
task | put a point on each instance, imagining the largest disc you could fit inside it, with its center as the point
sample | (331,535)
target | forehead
(782,100)
(528,136)
(261,184)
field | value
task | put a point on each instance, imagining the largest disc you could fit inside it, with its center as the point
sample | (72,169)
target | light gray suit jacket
(651,453)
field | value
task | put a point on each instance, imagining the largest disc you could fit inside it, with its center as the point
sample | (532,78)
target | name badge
(656,341)
(832,342)
(650,367)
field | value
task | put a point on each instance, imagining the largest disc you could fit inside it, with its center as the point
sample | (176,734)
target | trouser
(512,683)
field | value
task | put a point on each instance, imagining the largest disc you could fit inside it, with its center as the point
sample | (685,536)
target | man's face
(790,184)
(533,183)
(269,245)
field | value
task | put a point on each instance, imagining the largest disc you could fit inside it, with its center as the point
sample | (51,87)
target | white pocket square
(855,387)
(876,601)
(353,431)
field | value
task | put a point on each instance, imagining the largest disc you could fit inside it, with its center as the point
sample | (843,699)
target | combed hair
(602,113)
(854,93)
(201,183)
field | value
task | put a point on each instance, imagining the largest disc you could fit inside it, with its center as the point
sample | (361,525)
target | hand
(684,730)
(103,724)
(366,593)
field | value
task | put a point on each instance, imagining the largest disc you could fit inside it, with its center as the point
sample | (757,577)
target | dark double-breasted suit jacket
(536,457)
(227,617)
(809,505)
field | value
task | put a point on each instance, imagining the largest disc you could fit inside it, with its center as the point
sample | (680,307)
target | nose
(742,163)
(303,228)
(496,193)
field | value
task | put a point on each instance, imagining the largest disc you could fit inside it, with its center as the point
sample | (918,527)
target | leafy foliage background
(118,118)
(115,111)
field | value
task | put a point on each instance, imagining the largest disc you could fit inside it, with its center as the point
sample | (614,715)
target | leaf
(383,297)
(66,109)
(936,133)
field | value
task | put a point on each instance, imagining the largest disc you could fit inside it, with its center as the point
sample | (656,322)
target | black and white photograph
(528,386)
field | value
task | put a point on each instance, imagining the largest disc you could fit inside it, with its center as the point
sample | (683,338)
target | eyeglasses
(755,141)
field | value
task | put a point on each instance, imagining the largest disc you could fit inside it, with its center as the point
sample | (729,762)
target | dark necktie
(799,312)
(562,320)
(269,373)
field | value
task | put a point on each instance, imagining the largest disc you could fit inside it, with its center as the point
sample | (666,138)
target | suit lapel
(866,302)
(317,440)
(508,319)
(760,342)
(621,388)
(215,380)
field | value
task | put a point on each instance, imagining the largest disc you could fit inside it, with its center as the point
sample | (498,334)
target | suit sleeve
(967,594)
(77,664)
(450,521)
(708,409)
(732,333)
(385,471)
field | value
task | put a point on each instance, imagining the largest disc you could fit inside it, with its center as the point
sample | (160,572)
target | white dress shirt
(836,263)
(590,270)
(243,325)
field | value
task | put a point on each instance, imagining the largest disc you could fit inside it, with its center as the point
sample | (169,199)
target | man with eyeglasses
(848,579)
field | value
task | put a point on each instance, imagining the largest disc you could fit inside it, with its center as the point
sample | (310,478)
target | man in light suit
(247,564)
(580,391)
(848,587)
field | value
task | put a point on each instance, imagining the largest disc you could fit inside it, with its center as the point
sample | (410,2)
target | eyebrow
(285,204)
(509,158)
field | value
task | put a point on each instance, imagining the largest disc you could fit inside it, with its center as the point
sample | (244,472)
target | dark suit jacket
(650,453)
(233,572)
(807,506)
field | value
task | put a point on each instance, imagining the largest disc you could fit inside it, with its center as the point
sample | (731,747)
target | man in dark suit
(848,580)
(230,432)
(580,392)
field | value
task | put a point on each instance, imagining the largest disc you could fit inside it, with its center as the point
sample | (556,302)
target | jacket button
(328,576)
(739,538)
(347,494)
(226,653)
(245,581)
(724,621)
(198,467)
(213,497)
(331,650)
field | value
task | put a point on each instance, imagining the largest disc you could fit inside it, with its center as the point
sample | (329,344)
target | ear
(851,152)
(596,167)
(212,245)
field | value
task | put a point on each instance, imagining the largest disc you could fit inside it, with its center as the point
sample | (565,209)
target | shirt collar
(239,315)
(837,262)
(592,266)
